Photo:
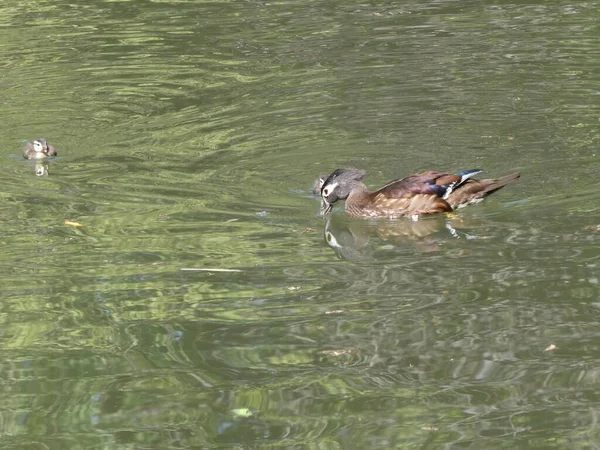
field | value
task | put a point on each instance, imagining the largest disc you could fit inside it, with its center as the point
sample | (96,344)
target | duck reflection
(359,239)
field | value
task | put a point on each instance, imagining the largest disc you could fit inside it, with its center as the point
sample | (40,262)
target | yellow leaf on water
(73,224)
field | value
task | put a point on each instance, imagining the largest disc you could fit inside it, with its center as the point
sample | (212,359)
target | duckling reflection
(356,240)
(41,169)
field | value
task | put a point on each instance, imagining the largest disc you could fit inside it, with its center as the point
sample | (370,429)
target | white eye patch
(37,145)
(329,189)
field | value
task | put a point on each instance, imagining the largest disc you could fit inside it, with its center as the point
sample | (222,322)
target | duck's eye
(325,192)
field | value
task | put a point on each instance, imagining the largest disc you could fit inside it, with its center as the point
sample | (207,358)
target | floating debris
(73,224)
(242,412)
(205,269)
(339,352)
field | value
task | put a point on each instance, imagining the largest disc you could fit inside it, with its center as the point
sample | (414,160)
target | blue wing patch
(440,191)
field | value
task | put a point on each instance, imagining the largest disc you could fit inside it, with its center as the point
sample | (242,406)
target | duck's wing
(422,193)
(413,195)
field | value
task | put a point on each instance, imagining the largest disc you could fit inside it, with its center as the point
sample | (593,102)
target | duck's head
(338,186)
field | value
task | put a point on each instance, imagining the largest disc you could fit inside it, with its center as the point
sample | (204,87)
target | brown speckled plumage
(424,193)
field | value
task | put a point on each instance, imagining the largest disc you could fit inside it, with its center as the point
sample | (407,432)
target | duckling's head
(40,145)
(318,184)
(338,186)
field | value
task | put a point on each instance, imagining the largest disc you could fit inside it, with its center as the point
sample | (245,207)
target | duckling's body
(424,193)
(38,149)
(318,184)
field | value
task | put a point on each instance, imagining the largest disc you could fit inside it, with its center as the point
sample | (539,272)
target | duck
(38,149)
(415,195)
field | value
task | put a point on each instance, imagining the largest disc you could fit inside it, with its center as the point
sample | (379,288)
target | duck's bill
(325,207)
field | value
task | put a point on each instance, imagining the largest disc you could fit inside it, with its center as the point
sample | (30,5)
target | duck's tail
(474,191)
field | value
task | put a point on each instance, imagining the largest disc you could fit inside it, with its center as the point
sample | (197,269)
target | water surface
(189,134)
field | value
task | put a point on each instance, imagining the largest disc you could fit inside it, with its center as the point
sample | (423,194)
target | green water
(189,134)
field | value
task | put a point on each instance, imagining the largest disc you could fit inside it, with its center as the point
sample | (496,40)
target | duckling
(318,184)
(38,149)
